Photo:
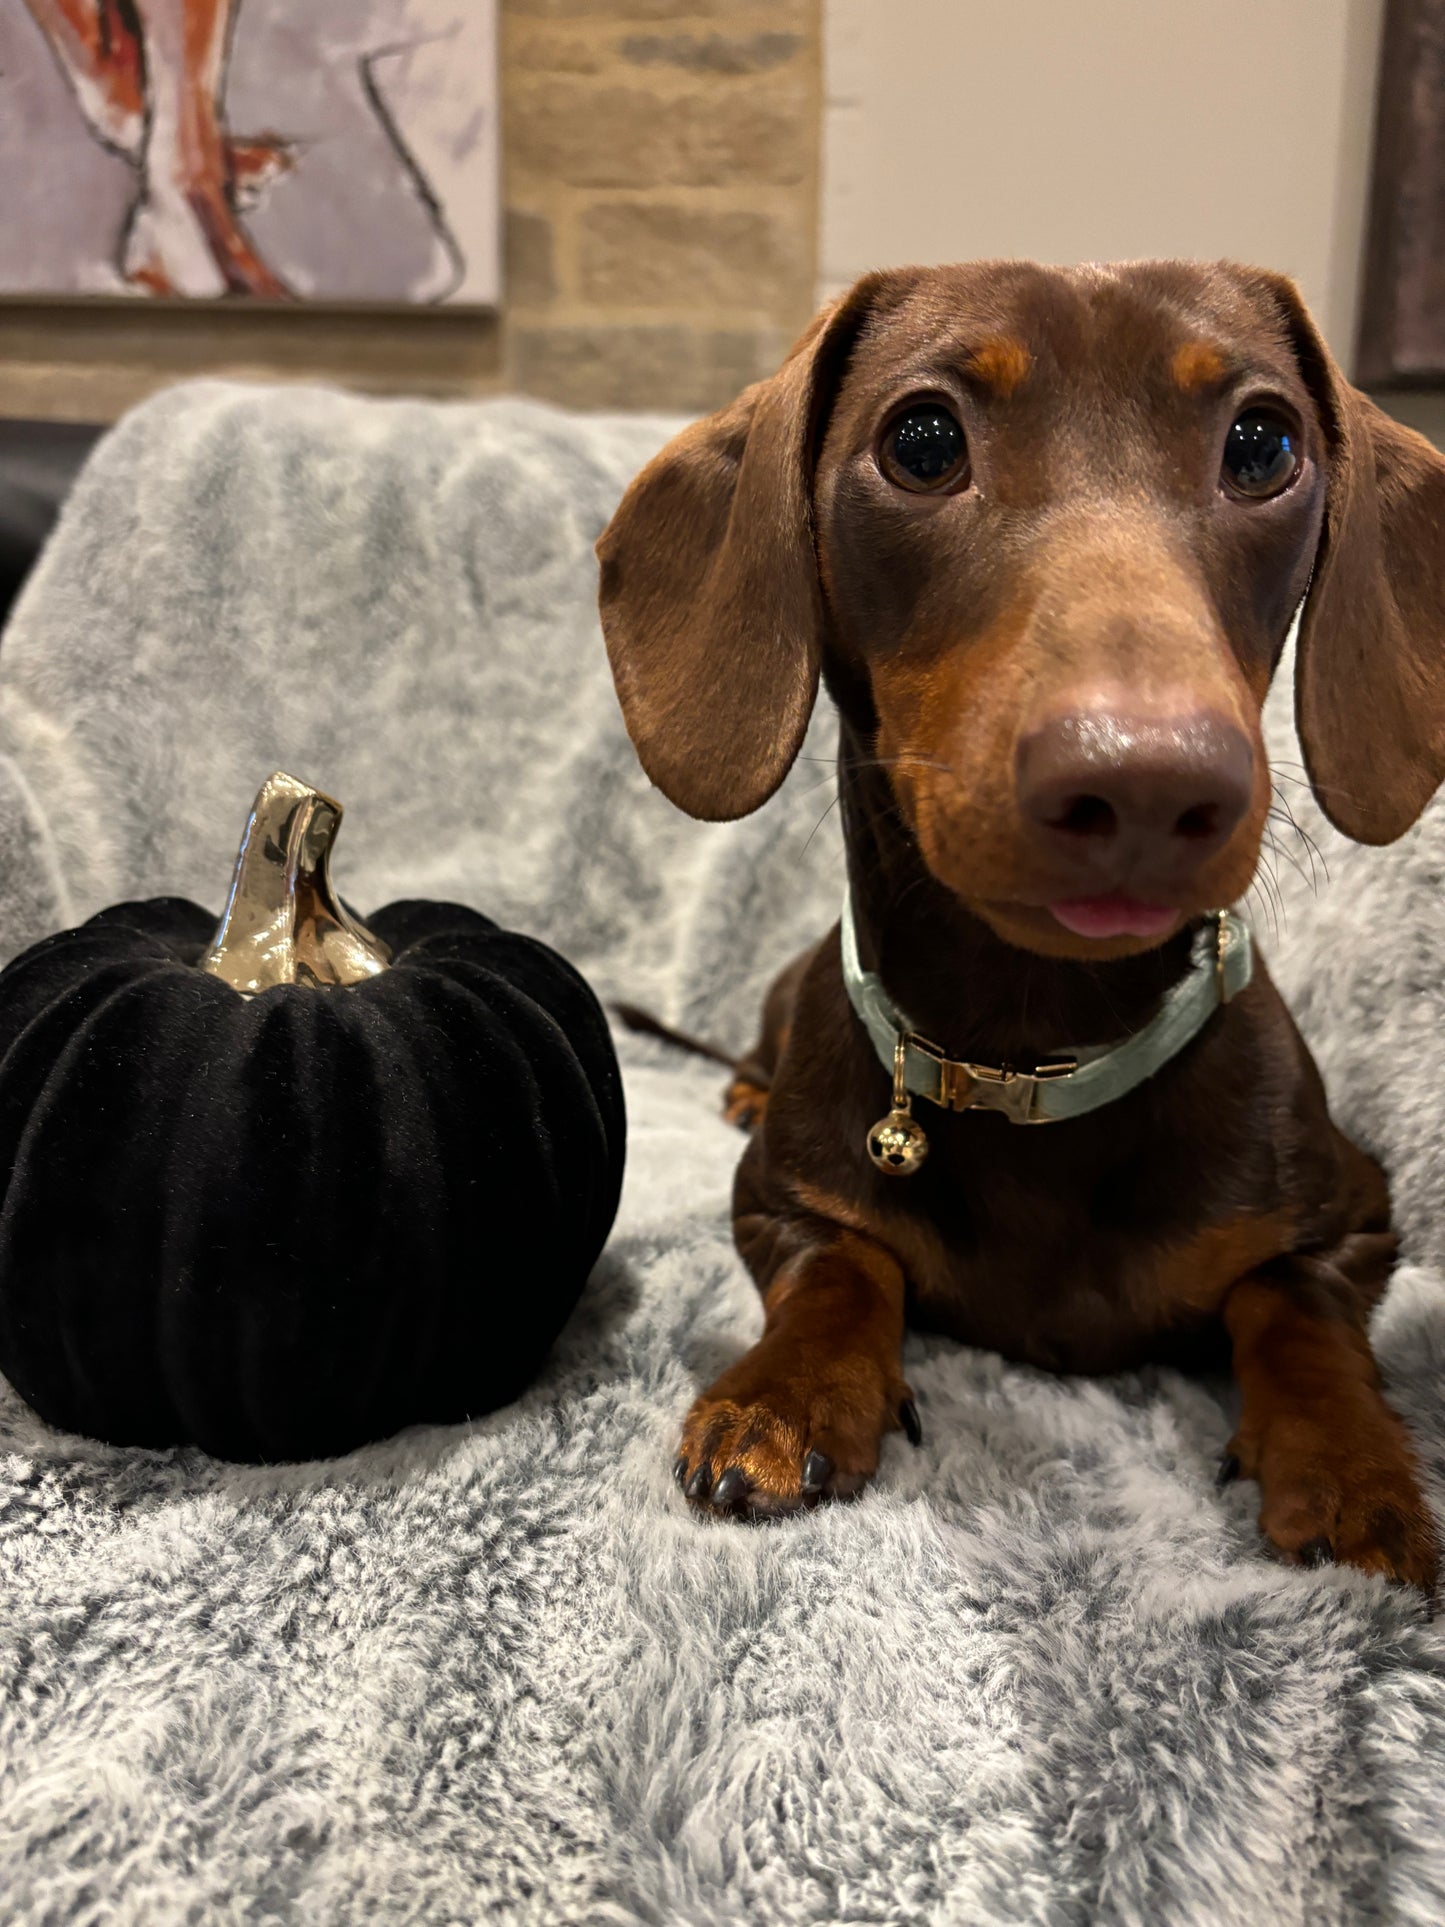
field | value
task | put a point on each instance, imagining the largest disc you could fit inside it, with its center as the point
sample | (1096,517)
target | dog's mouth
(1092,929)
(1114,914)
(1097,906)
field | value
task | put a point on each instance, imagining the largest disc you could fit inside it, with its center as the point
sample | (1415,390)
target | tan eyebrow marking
(1001,362)
(1196,365)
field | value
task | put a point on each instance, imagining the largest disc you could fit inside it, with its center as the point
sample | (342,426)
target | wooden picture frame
(1402,314)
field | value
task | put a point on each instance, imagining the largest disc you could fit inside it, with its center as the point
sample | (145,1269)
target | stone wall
(660,160)
(661,167)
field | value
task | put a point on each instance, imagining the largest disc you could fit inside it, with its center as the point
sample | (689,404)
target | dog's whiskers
(1278,849)
(1281,812)
(907,759)
(1302,781)
(819,825)
(1266,887)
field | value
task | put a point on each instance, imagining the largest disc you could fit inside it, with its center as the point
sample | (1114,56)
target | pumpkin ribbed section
(278,1227)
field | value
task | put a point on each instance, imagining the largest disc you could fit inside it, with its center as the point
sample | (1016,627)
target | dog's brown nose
(1135,799)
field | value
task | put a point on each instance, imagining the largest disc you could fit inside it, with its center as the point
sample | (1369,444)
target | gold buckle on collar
(990,1087)
(1221,947)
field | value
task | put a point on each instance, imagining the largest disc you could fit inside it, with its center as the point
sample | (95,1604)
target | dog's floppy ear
(710,598)
(1370,671)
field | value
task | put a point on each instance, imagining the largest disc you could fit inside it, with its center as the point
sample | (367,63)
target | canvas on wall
(322,150)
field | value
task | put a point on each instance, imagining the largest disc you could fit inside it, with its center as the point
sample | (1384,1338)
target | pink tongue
(1114,916)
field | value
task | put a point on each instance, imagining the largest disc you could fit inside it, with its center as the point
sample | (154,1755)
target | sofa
(1043,1670)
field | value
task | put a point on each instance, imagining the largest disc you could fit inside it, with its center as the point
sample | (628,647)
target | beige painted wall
(1102,129)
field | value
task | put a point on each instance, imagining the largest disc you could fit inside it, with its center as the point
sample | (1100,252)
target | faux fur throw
(1042,1672)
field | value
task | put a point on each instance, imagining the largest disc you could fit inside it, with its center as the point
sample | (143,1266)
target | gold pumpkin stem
(283,923)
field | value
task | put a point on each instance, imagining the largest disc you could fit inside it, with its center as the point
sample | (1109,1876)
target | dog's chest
(1078,1263)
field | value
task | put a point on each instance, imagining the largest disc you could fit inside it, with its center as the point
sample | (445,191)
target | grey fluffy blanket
(1043,1671)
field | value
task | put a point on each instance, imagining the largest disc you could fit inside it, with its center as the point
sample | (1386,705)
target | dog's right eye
(924,449)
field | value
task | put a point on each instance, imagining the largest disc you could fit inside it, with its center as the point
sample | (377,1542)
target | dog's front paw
(781,1431)
(1341,1493)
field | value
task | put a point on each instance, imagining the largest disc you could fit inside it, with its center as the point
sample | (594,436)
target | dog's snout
(1135,797)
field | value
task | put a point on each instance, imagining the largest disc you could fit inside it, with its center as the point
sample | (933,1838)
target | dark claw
(912,1425)
(1317,1552)
(817,1470)
(731,1487)
(1228,1469)
(700,1484)
(679,1468)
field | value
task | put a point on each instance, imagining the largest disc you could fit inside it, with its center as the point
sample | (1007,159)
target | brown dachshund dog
(1042,532)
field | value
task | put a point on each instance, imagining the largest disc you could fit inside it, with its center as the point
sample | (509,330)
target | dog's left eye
(924,448)
(1261,454)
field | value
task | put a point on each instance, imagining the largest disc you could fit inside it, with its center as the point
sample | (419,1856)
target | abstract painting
(275,150)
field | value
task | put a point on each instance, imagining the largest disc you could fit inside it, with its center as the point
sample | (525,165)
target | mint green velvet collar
(1070,1082)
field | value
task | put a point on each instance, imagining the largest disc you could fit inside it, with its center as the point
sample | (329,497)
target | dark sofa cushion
(38,463)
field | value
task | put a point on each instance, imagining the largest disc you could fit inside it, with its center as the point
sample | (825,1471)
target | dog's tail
(647,1025)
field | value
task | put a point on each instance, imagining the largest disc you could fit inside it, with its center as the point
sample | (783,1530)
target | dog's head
(1045,530)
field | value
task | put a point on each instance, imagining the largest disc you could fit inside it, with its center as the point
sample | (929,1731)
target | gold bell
(898,1144)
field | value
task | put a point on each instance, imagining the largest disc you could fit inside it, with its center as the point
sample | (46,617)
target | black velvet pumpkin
(280,1225)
